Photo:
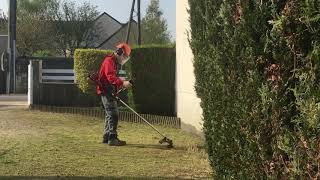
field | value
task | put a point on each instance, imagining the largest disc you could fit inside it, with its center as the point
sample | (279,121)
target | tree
(154,26)
(34,32)
(3,23)
(72,25)
(54,25)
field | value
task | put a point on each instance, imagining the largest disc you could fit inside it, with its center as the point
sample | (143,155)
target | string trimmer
(94,78)
(164,140)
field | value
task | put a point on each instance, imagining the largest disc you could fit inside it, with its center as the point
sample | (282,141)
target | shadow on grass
(163,147)
(152,146)
(77,177)
(4,152)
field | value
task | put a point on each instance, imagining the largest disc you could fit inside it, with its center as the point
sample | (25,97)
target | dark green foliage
(153,72)
(257,74)
(42,53)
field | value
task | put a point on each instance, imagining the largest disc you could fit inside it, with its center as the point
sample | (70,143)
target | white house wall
(188,105)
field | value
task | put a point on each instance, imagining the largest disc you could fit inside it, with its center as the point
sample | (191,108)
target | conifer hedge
(257,74)
(153,68)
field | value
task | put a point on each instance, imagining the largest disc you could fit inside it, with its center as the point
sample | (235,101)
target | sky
(120,10)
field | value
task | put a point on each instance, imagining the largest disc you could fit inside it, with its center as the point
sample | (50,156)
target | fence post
(35,81)
(30,84)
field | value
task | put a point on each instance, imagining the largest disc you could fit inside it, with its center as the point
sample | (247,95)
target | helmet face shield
(123,59)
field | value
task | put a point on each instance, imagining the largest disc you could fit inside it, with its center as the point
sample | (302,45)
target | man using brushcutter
(109,84)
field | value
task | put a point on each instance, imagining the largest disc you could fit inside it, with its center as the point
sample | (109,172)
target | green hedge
(259,122)
(86,61)
(151,67)
(153,71)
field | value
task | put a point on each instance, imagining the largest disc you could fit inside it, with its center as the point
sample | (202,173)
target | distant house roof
(106,14)
(110,31)
(120,36)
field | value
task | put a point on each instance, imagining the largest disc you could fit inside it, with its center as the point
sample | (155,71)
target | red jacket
(108,75)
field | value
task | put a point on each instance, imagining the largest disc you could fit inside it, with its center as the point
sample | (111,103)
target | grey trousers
(111,119)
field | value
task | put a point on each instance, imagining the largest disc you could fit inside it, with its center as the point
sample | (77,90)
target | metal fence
(100,113)
(57,71)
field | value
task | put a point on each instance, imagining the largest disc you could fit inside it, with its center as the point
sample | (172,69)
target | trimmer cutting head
(166,141)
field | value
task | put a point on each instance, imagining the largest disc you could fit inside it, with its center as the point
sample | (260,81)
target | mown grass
(38,144)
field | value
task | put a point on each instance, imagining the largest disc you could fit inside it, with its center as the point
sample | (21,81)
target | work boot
(105,138)
(114,141)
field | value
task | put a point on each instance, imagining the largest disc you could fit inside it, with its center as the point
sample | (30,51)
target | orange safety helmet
(126,48)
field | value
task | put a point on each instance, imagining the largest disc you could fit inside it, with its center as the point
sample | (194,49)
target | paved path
(13,101)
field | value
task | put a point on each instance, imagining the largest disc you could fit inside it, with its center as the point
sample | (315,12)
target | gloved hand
(126,84)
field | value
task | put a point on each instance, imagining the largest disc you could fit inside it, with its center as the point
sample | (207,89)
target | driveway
(13,101)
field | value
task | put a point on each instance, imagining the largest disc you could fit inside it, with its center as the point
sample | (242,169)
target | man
(109,83)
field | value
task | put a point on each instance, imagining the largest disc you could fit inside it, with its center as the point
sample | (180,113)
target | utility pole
(139,23)
(129,25)
(12,46)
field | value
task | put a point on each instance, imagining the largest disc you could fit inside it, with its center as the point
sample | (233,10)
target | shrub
(153,70)
(256,66)
(86,61)
(42,53)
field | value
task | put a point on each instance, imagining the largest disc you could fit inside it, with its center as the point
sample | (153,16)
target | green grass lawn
(38,144)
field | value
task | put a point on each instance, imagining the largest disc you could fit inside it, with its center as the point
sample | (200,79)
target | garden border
(100,113)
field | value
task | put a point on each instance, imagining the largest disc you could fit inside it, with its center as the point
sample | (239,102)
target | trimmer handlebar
(122,89)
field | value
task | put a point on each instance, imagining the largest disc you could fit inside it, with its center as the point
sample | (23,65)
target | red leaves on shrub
(238,13)
(273,74)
